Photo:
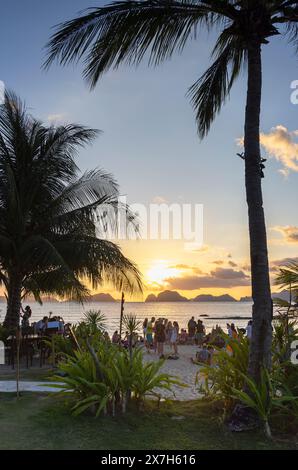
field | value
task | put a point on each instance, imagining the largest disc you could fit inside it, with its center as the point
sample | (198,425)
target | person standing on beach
(149,334)
(200,333)
(145,323)
(169,328)
(234,332)
(192,328)
(249,330)
(174,337)
(160,334)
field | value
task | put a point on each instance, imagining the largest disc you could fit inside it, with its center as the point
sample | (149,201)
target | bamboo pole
(121,314)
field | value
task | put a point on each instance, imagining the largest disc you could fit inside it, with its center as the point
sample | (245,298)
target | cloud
(196,248)
(233,264)
(56,118)
(275,264)
(218,278)
(228,273)
(159,200)
(187,267)
(281,144)
(289,232)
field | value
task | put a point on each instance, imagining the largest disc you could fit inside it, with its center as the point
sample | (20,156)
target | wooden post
(121,314)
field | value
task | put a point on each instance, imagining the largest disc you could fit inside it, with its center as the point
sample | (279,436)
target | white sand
(183,368)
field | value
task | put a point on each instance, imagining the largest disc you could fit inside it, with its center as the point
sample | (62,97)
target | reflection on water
(180,311)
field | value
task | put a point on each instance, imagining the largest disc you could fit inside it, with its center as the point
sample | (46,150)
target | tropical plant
(51,235)
(148,380)
(119,374)
(286,278)
(132,325)
(130,31)
(227,372)
(94,322)
(257,397)
(284,334)
(228,380)
(285,385)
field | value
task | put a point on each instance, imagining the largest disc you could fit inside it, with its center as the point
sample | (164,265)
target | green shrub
(120,373)
(227,372)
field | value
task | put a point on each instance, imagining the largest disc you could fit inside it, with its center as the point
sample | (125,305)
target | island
(166,296)
(101,297)
(173,296)
(213,298)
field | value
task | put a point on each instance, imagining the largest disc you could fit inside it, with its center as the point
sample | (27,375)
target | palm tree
(50,239)
(287,278)
(130,31)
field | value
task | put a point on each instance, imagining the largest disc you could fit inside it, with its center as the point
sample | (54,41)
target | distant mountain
(246,299)
(101,298)
(30,299)
(166,296)
(151,298)
(213,298)
(47,299)
(284,295)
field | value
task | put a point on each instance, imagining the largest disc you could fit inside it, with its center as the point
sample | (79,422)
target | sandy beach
(183,369)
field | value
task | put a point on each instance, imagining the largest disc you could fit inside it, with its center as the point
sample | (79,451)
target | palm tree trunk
(14,301)
(260,346)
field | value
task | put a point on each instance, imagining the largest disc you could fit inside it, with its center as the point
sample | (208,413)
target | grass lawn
(42,422)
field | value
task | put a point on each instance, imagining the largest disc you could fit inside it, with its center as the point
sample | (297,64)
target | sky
(150,144)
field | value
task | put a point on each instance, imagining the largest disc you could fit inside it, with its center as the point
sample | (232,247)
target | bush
(228,371)
(106,382)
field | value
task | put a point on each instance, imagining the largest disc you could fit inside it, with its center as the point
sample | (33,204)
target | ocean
(212,313)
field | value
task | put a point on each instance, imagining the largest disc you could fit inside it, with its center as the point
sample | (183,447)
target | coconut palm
(51,236)
(130,31)
(287,278)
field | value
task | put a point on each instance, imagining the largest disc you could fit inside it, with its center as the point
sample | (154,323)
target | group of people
(158,332)
(233,332)
(46,323)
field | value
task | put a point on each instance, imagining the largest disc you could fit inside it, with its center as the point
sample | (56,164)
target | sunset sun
(159,272)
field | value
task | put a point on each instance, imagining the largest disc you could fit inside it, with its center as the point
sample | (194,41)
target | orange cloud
(289,232)
(280,143)
(218,278)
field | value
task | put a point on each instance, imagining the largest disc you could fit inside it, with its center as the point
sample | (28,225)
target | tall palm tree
(130,31)
(50,237)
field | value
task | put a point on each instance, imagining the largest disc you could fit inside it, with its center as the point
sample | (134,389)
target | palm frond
(123,32)
(52,221)
(211,90)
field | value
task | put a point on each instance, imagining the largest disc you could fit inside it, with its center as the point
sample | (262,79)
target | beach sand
(183,369)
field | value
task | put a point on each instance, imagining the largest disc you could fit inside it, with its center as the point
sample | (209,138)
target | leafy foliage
(121,373)
(258,397)
(228,371)
(126,32)
(51,231)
